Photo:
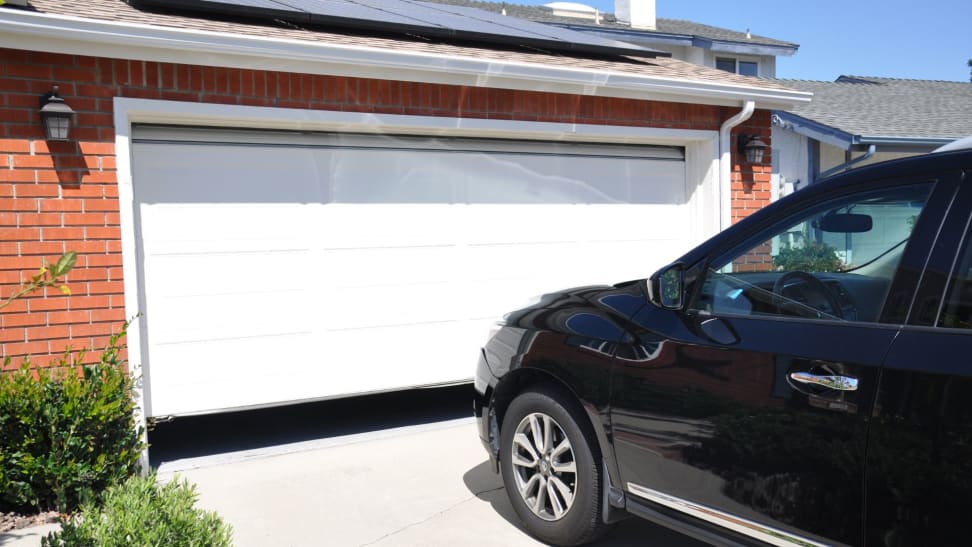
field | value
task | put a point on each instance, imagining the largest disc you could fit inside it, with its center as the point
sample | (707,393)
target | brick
(88,302)
(38,219)
(84,219)
(19,234)
(24,205)
(37,190)
(48,333)
(106,205)
(87,274)
(106,287)
(97,148)
(51,303)
(18,175)
(13,335)
(100,316)
(91,329)
(22,320)
(90,247)
(68,317)
(46,248)
(113,232)
(62,234)
(21,161)
(65,205)
(26,348)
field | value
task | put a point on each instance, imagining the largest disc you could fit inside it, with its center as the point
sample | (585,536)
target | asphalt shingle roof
(664,26)
(888,107)
(120,11)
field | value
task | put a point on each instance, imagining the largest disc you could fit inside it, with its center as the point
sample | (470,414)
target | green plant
(66,432)
(47,276)
(142,512)
(812,257)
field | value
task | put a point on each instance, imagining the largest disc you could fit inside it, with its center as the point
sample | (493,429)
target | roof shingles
(888,107)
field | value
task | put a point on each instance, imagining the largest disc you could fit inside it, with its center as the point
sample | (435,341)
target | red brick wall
(751,183)
(56,197)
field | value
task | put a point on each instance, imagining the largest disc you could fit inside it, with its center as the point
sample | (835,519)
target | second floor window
(731,64)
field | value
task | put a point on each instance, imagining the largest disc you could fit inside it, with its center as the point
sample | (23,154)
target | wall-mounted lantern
(751,148)
(56,116)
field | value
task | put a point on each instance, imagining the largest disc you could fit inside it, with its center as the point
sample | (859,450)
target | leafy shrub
(66,433)
(812,257)
(142,512)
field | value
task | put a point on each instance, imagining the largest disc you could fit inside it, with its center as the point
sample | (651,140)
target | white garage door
(279,267)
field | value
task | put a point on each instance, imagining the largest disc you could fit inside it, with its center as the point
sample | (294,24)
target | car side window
(957,310)
(834,261)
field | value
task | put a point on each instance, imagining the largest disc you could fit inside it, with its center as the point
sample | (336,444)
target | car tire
(549,460)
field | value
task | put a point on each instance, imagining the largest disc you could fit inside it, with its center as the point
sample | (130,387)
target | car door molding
(755,530)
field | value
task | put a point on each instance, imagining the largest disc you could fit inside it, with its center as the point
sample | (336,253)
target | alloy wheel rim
(544,466)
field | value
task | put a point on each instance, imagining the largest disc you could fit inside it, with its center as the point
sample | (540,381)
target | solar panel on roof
(413,16)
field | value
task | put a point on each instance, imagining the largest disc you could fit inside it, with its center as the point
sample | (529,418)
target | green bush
(812,257)
(66,432)
(142,512)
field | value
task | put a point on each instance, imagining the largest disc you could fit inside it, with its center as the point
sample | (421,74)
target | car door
(919,458)
(747,412)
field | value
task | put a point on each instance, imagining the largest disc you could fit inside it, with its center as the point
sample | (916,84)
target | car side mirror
(666,286)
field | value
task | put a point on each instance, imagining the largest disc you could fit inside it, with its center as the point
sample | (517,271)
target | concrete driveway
(425,483)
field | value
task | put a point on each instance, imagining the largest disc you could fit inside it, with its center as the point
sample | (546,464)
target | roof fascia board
(905,142)
(65,34)
(667,38)
(816,131)
(740,48)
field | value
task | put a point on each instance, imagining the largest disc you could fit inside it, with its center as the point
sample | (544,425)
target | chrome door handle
(839,383)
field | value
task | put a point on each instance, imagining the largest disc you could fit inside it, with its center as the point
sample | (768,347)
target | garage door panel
(342,226)
(202,317)
(247,372)
(281,267)
(406,266)
(225,272)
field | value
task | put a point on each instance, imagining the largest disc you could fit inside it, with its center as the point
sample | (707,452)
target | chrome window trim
(767,534)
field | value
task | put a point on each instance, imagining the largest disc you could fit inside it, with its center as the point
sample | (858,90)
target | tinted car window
(957,311)
(834,261)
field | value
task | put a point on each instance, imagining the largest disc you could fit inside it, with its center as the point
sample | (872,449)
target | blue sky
(928,40)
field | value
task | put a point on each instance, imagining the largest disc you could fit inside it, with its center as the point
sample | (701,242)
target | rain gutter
(725,162)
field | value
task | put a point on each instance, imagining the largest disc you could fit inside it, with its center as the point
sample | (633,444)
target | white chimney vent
(636,13)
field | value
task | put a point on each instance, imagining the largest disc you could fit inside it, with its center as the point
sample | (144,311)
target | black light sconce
(751,148)
(56,116)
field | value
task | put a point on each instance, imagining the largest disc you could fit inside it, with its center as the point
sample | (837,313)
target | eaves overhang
(849,141)
(100,38)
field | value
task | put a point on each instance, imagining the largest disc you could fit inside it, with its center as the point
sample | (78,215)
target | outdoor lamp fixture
(56,115)
(751,148)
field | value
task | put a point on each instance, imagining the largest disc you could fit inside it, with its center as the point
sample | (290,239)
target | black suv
(802,378)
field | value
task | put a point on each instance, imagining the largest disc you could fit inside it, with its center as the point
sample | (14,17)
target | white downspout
(725,163)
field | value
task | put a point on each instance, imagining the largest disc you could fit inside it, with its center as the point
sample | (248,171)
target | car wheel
(550,466)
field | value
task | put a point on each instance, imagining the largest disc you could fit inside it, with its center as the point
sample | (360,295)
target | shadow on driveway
(633,532)
(197,436)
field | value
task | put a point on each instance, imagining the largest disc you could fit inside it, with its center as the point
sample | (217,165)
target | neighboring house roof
(858,110)
(113,28)
(671,31)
